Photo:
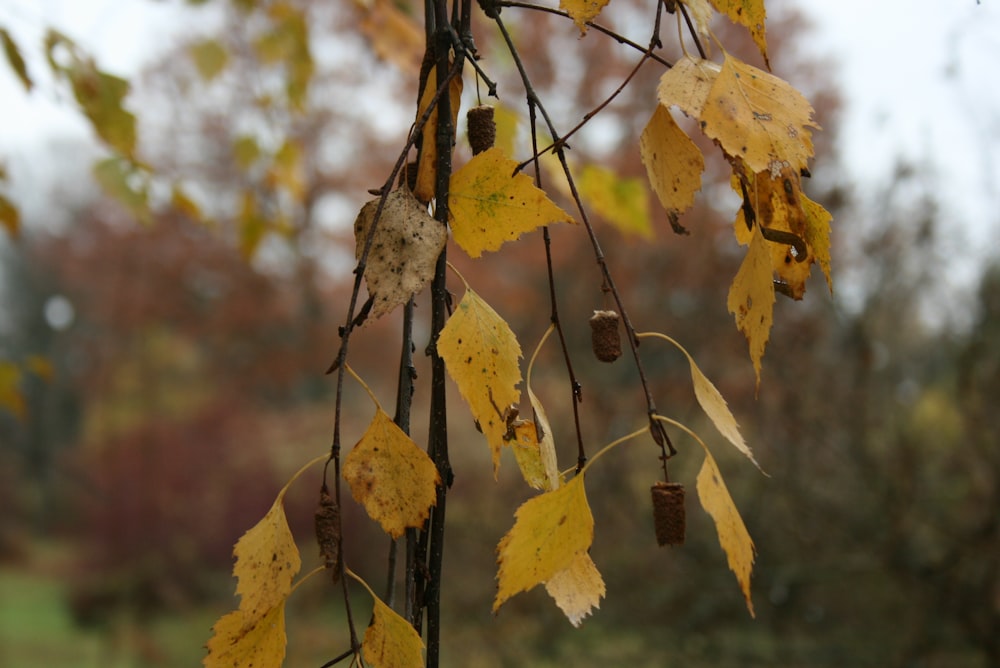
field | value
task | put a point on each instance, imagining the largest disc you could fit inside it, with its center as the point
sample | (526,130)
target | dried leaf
(391,476)
(733,535)
(549,531)
(404,250)
(491,205)
(326,522)
(687,85)
(751,297)
(577,589)
(701,13)
(673,162)
(758,118)
(481,354)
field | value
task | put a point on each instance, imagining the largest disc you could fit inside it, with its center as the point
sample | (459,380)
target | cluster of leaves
(762,126)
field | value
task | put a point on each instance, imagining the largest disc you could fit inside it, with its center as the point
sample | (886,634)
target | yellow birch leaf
(183,203)
(818,235)
(391,476)
(673,162)
(15,60)
(582,11)
(394,36)
(528,454)
(245,151)
(210,58)
(620,201)
(287,170)
(391,641)
(758,118)
(100,96)
(751,297)
(427,167)
(508,123)
(481,354)
(546,446)
(750,14)
(11,397)
(733,535)
(240,640)
(10,217)
(577,589)
(687,85)
(491,205)
(548,533)
(404,250)
(266,561)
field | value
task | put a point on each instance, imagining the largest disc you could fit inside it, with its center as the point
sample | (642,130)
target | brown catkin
(604,337)
(482,128)
(327,523)
(668,513)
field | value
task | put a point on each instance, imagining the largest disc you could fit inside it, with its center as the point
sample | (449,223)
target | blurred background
(162,350)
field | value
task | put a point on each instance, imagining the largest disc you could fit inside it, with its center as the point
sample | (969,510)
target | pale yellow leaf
(267,560)
(391,476)
(481,355)
(241,640)
(491,205)
(391,641)
(758,118)
(748,13)
(620,201)
(287,170)
(548,533)
(673,162)
(508,123)
(751,297)
(701,13)
(582,11)
(404,251)
(528,454)
(577,589)
(733,535)
(183,203)
(687,85)
(546,445)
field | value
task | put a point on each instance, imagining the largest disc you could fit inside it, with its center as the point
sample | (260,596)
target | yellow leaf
(183,203)
(687,85)
(287,170)
(10,217)
(11,397)
(620,201)
(582,11)
(759,118)
(240,640)
(751,298)
(818,235)
(549,532)
(391,476)
(749,13)
(528,454)
(427,167)
(673,162)
(245,151)
(733,535)
(210,58)
(251,224)
(481,354)
(40,366)
(508,123)
(491,205)
(391,641)
(127,183)
(404,251)
(15,60)
(577,589)
(394,36)
(287,42)
(266,561)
